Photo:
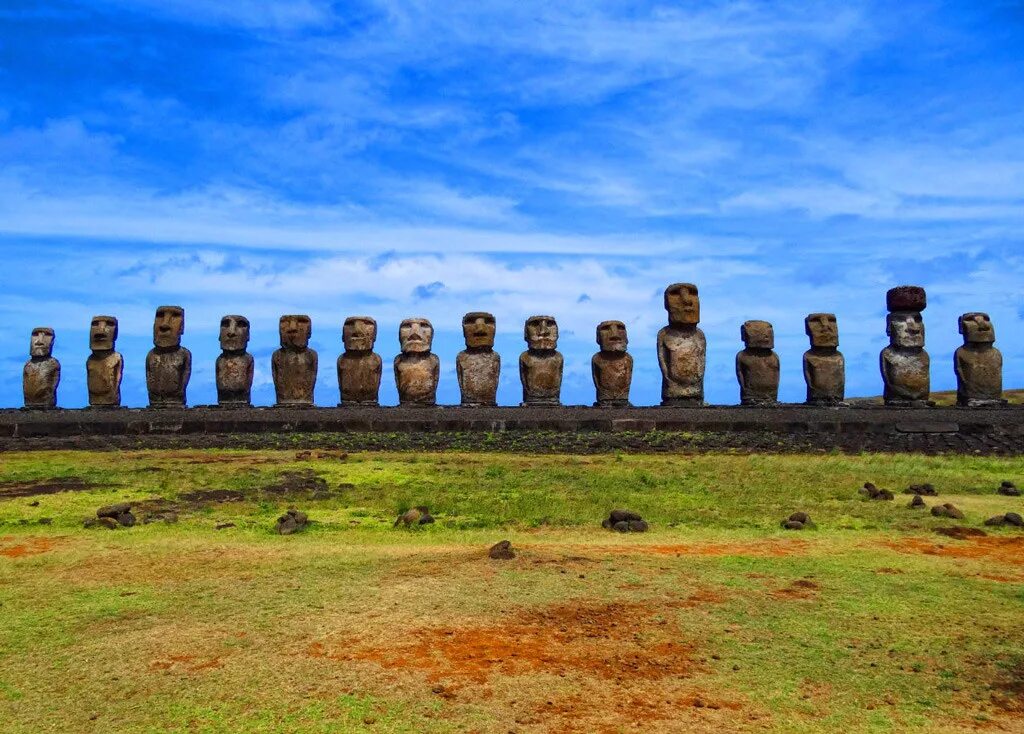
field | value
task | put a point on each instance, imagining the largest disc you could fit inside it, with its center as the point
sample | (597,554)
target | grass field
(717,620)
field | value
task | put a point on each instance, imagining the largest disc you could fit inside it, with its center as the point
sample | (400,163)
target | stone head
(683,304)
(823,329)
(541,333)
(758,335)
(977,328)
(234,333)
(295,330)
(905,329)
(479,327)
(611,336)
(359,333)
(168,326)
(41,344)
(102,333)
(415,335)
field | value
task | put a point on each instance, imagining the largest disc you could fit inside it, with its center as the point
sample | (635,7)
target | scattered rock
(291,522)
(226,525)
(872,492)
(996,521)
(106,522)
(798,521)
(1012,518)
(113,510)
(502,551)
(947,510)
(46,521)
(34,504)
(90,522)
(625,521)
(419,515)
(1008,489)
(917,502)
(961,533)
(924,490)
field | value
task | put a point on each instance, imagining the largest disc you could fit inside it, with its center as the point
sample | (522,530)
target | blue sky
(407,158)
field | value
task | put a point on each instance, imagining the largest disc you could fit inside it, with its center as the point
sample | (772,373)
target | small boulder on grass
(119,512)
(947,510)
(502,551)
(1008,489)
(625,521)
(1010,518)
(922,490)
(917,503)
(798,521)
(872,492)
(291,522)
(419,515)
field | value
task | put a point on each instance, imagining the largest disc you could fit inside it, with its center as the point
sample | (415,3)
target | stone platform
(568,428)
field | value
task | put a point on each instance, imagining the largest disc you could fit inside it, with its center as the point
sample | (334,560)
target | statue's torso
(39,380)
(541,375)
(612,375)
(359,377)
(683,355)
(478,376)
(103,377)
(906,374)
(759,375)
(167,375)
(979,373)
(416,378)
(826,375)
(234,377)
(294,375)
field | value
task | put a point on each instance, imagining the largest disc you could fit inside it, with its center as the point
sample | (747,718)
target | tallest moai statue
(682,349)
(904,363)
(168,364)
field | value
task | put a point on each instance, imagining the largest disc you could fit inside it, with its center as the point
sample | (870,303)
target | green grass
(871,623)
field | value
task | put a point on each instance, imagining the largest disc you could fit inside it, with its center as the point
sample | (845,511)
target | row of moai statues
(682,353)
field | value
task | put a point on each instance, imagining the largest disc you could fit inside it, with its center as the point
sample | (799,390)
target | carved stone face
(415,335)
(478,328)
(977,328)
(682,304)
(758,335)
(102,333)
(168,326)
(41,344)
(295,331)
(905,329)
(541,333)
(359,333)
(823,329)
(234,333)
(611,336)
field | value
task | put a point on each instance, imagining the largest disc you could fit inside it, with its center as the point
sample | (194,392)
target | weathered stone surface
(42,372)
(234,365)
(623,515)
(291,522)
(792,525)
(798,521)
(612,366)
(104,368)
(824,364)
(1008,489)
(757,366)
(947,510)
(168,364)
(638,526)
(996,521)
(114,510)
(540,366)
(925,490)
(502,551)
(417,370)
(904,363)
(1013,518)
(419,515)
(359,367)
(917,502)
(682,348)
(978,364)
(294,365)
(478,366)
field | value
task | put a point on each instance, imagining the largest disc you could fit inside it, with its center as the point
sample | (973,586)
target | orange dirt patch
(630,654)
(185,663)
(31,547)
(1002,550)
(766,548)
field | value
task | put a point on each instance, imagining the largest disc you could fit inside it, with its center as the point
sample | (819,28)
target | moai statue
(757,366)
(478,365)
(42,372)
(359,367)
(978,364)
(612,367)
(540,366)
(168,364)
(824,365)
(105,367)
(417,370)
(294,365)
(905,363)
(234,365)
(682,349)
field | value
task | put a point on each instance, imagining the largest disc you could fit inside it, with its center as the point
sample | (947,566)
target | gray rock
(638,526)
(1012,518)
(917,502)
(792,525)
(623,515)
(502,551)
(126,519)
(286,525)
(800,517)
(113,510)
(622,526)
(996,521)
